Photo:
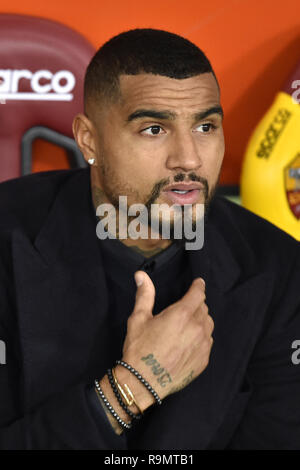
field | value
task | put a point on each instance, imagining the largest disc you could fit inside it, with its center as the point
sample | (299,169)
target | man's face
(156,135)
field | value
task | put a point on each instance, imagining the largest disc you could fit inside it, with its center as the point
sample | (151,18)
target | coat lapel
(236,294)
(61,294)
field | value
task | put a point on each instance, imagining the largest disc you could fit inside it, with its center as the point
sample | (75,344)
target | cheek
(217,149)
(219,154)
(212,157)
(127,173)
(134,159)
(132,162)
(119,151)
(117,160)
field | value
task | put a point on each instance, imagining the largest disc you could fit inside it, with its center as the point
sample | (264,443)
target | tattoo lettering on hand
(184,383)
(165,378)
(149,359)
(156,370)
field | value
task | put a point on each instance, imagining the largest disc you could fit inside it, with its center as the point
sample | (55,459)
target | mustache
(180,177)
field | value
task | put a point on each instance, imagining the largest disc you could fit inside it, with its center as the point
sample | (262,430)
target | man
(72,304)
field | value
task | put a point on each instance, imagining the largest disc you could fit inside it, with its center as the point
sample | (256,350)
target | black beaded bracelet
(144,382)
(110,408)
(119,398)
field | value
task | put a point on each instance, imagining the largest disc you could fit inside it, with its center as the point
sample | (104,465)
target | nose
(184,153)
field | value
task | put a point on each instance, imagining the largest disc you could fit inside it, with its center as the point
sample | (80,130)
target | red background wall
(252,45)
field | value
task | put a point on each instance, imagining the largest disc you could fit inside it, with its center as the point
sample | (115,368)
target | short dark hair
(142,51)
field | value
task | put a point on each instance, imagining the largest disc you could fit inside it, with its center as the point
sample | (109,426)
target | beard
(113,188)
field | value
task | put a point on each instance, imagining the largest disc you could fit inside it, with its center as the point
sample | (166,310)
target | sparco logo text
(45,85)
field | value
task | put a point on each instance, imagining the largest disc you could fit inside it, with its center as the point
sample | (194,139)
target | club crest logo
(292,185)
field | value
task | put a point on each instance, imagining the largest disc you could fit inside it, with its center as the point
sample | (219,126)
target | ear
(84,135)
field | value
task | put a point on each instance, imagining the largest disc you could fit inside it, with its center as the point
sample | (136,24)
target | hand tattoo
(165,378)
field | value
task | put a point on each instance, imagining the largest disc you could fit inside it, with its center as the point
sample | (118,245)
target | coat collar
(69,230)
(226,257)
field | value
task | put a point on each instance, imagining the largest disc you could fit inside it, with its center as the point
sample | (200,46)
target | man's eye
(152,130)
(206,127)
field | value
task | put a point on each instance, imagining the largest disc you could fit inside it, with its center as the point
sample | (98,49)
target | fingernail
(138,279)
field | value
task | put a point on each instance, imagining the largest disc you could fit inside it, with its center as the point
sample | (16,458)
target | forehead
(184,95)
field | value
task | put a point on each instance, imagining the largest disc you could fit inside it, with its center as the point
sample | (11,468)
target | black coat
(53,311)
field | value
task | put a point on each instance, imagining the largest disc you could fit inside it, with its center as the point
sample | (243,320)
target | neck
(146,247)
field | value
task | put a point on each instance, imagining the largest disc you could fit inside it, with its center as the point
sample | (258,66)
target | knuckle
(199,331)
(138,310)
(201,293)
(184,311)
(206,346)
(136,315)
(205,309)
(211,322)
(206,361)
(130,323)
(199,283)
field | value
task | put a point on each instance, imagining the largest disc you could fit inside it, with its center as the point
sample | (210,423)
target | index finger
(194,296)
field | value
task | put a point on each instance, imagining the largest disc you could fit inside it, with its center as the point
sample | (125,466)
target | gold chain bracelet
(129,401)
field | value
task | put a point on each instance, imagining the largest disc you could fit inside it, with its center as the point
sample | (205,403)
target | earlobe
(84,136)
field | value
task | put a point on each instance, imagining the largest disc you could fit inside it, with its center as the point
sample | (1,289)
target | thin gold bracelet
(129,401)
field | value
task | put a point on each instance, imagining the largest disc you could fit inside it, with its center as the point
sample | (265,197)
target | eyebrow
(169,115)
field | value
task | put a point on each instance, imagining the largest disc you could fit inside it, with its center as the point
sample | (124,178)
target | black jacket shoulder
(26,201)
(239,224)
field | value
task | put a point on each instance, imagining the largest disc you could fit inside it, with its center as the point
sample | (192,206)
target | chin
(177,225)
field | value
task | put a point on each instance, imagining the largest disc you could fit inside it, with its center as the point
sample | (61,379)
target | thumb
(145,294)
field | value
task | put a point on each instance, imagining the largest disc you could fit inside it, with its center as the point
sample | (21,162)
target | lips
(183,193)
(183,186)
